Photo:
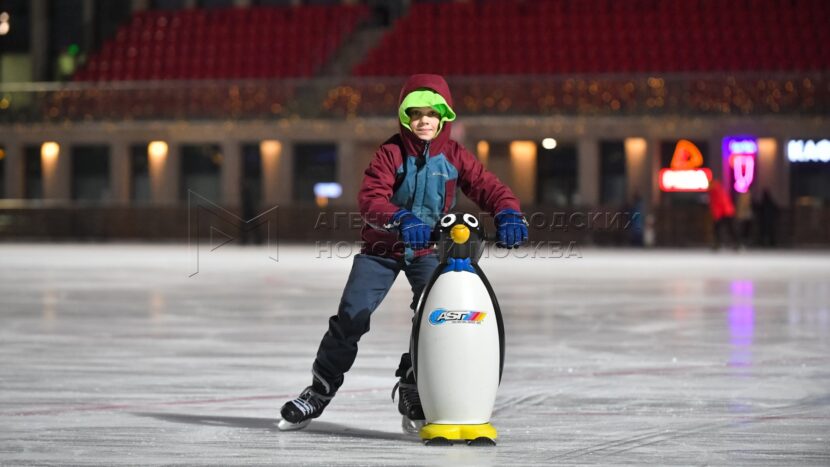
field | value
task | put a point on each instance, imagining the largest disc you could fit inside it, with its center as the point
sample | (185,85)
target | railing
(685,226)
(750,94)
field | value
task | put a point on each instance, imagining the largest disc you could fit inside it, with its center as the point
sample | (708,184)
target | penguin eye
(447,220)
(471,220)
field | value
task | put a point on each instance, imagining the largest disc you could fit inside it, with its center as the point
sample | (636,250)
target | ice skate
(411,427)
(409,403)
(285,425)
(298,413)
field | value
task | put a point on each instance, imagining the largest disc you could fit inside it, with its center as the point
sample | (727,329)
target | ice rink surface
(119,355)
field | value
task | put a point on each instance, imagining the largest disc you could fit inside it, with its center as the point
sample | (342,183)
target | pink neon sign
(740,154)
(743,171)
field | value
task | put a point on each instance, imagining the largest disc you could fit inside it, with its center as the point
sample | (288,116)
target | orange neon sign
(686,173)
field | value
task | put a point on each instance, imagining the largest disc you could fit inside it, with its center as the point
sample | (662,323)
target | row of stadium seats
(258,42)
(504,37)
(566,36)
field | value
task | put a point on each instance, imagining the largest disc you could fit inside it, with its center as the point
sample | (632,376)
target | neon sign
(741,146)
(685,180)
(743,170)
(328,190)
(686,173)
(740,154)
(799,150)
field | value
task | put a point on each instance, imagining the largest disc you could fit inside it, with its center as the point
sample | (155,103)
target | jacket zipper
(424,155)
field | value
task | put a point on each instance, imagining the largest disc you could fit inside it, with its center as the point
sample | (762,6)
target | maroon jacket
(719,202)
(409,173)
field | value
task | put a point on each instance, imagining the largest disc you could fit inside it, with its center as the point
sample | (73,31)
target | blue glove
(511,227)
(414,232)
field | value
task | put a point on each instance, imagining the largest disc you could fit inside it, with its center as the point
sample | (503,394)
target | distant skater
(723,216)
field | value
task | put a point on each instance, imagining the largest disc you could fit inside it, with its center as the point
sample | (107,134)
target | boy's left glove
(414,232)
(512,228)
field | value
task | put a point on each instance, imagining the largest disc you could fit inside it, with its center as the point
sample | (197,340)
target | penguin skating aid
(458,340)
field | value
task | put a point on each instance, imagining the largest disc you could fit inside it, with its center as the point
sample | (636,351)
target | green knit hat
(426,98)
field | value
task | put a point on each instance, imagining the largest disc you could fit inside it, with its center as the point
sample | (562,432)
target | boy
(409,185)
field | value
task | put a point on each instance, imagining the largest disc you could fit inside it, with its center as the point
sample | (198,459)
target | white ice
(115,355)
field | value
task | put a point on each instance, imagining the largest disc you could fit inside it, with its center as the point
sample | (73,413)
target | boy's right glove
(414,232)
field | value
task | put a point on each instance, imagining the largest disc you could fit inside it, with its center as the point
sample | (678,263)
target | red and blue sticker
(442,315)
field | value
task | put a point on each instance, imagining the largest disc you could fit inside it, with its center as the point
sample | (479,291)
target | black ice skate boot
(298,413)
(409,403)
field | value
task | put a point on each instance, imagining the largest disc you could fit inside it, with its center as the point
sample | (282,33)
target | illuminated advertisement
(799,150)
(740,154)
(686,173)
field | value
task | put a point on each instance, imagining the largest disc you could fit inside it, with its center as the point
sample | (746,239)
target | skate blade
(285,425)
(411,427)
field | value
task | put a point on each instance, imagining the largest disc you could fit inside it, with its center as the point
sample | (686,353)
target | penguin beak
(460,234)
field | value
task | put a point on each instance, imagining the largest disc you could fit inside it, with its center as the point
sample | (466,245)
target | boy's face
(424,122)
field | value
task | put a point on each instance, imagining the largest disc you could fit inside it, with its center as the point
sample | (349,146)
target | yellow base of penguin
(465,433)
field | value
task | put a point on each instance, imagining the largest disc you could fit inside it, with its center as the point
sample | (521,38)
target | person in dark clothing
(249,227)
(635,213)
(768,220)
(743,216)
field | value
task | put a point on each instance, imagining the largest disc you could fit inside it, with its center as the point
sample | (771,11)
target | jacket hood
(412,144)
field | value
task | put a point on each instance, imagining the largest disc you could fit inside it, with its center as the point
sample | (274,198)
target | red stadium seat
(611,36)
(473,38)
(223,43)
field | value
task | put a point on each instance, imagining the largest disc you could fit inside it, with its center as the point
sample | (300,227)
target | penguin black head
(460,235)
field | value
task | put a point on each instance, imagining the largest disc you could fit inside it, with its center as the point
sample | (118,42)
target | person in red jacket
(723,215)
(409,185)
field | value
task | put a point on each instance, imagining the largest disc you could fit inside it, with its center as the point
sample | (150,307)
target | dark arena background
(178,217)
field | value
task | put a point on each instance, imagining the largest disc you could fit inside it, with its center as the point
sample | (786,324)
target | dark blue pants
(369,281)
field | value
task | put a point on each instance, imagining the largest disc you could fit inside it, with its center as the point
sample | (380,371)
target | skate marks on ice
(316,427)
(254,423)
(538,399)
(807,409)
(98,366)
(530,399)
(335,429)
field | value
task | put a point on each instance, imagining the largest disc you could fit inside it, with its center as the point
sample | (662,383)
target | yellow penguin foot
(475,435)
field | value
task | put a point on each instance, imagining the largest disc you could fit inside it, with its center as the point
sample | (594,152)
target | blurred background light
(157,150)
(49,151)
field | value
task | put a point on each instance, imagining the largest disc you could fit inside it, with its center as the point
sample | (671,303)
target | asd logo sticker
(441,316)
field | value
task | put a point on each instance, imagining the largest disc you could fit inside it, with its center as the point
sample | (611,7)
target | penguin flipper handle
(435,235)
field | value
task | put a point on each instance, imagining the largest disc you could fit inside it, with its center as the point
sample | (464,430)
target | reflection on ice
(741,323)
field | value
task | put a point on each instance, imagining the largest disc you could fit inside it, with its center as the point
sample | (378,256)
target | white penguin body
(459,349)
(457,343)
